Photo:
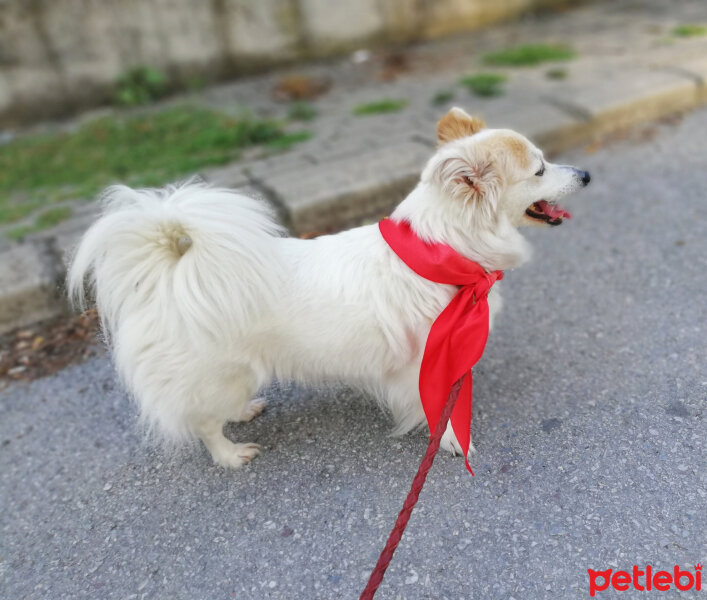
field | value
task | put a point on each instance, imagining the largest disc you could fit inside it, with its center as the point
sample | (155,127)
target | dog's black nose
(586,177)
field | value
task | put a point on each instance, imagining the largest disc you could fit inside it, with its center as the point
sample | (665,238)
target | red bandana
(458,336)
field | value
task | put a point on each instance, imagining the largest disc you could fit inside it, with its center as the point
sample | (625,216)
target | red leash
(394,538)
(454,344)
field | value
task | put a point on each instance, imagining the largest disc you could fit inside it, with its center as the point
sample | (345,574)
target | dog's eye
(541,172)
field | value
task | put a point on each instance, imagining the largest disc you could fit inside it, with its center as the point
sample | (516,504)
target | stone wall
(59,55)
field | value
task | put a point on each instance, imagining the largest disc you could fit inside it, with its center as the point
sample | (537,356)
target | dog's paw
(450,444)
(236,455)
(252,410)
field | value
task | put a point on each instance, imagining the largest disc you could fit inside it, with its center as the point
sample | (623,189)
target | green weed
(556,74)
(380,107)
(442,97)
(46,219)
(287,140)
(484,84)
(301,111)
(690,30)
(528,55)
(140,85)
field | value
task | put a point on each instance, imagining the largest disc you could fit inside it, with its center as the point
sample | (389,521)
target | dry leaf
(300,87)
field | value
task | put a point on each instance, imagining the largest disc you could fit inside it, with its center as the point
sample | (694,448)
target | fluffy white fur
(204,300)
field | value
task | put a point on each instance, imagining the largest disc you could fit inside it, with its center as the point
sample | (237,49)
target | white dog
(204,300)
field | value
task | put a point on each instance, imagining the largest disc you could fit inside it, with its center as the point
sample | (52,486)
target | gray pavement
(588,420)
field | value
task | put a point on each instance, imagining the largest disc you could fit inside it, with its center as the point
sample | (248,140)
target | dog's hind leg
(227,398)
(251,410)
(224,452)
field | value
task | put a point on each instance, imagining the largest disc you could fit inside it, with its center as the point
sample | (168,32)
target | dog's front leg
(403,401)
(450,444)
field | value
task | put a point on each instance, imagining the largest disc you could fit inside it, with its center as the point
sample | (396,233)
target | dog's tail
(175,270)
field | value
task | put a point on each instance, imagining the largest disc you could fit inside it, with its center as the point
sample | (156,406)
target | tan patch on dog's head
(513,146)
(457,124)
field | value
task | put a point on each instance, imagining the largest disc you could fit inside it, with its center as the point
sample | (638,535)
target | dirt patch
(27,354)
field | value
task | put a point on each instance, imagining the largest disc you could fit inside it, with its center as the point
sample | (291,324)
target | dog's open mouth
(548,212)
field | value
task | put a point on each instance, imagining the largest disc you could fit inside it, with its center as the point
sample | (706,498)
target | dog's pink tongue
(551,211)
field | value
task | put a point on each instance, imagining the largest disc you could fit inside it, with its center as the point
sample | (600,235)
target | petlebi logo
(646,579)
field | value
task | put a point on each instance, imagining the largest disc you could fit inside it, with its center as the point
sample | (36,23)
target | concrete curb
(29,285)
(365,185)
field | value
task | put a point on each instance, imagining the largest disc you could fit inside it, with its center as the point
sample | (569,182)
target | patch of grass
(195,83)
(140,85)
(301,111)
(689,30)
(380,107)
(53,216)
(485,84)
(143,150)
(18,233)
(46,219)
(287,140)
(13,213)
(556,74)
(442,97)
(528,55)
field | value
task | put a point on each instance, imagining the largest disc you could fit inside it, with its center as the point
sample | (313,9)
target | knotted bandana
(458,336)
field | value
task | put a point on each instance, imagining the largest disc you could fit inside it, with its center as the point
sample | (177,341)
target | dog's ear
(478,182)
(470,179)
(457,124)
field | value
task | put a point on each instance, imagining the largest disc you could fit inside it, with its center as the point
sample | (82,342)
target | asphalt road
(588,420)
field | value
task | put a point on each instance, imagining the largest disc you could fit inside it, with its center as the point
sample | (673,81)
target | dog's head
(497,173)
